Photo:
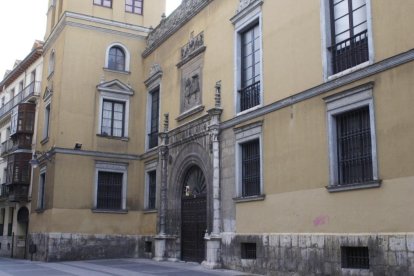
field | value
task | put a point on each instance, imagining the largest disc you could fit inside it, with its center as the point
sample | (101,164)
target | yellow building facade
(264,136)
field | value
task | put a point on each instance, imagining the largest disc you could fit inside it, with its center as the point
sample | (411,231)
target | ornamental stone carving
(193,45)
(244,4)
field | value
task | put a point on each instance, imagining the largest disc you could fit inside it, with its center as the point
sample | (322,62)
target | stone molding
(168,26)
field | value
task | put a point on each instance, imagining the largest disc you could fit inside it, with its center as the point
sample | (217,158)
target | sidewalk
(119,267)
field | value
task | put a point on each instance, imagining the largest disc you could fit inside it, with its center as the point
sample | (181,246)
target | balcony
(6,147)
(4,191)
(32,90)
(350,52)
(250,96)
(18,193)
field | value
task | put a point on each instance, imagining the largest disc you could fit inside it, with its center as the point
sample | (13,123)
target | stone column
(161,238)
(213,240)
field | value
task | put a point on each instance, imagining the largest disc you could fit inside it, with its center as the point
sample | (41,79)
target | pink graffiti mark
(321,220)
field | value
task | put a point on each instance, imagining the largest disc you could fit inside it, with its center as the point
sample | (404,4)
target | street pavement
(121,267)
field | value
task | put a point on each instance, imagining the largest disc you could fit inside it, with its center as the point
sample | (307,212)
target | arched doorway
(193,215)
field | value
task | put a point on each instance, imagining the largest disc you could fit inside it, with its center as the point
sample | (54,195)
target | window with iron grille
(113,118)
(248,250)
(134,6)
(250,168)
(116,59)
(355,257)
(152,186)
(249,93)
(109,194)
(354,146)
(154,118)
(104,3)
(10,225)
(349,33)
(3,214)
(41,192)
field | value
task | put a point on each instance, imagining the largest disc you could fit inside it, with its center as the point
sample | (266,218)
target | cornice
(66,18)
(168,26)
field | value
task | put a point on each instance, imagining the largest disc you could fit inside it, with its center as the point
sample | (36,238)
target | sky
(24,21)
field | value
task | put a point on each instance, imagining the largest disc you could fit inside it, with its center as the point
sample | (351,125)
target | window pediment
(115,86)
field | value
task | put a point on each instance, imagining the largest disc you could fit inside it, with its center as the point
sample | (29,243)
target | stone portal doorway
(193,215)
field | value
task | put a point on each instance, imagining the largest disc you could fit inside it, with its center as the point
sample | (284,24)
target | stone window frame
(104,166)
(41,193)
(150,167)
(127,58)
(242,21)
(153,83)
(101,3)
(114,97)
(339,103)
(242,135)
(325,23)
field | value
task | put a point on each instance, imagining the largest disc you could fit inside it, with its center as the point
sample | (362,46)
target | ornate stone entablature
(245,8)
(168,26)
(244,3)
(155,74)
(193,44)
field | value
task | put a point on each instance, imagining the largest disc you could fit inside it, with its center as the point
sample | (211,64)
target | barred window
(134,6)
(109,195)
(113,118)
(354,146)
(250,153)
(104,3)
(355,257)
(152,186)
(250,68)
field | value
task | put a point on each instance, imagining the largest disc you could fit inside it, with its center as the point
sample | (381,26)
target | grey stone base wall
(312,254)
(68,246)
(5,246)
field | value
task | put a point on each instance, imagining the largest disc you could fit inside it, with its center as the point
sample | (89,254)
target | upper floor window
(154,106)
(51,67)
(117,58)
(134,6)
(104,3)
(348,26)
(248,77)
(113,118)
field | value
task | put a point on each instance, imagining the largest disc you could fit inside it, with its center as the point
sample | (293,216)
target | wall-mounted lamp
(39,155)
(78,146)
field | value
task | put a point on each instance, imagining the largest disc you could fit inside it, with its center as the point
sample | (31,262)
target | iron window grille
(248,250)
(42,184)
(354,147)
(104,3)
(134,6)
(249,93)
(152,185)
(355,257)
(250,168)
(116,59)
(154,122)
(113,118)
(349,34)
(109,195)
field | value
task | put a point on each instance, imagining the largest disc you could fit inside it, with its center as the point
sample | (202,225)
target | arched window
(116,59)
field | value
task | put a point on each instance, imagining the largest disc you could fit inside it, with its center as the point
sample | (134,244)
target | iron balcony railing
(4,191)
(6,147)
(250,96)
(33,89)
(350,52)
